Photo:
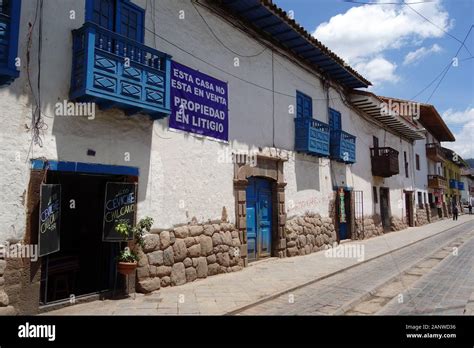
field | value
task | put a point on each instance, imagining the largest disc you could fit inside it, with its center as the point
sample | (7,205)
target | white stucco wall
(421,175)
(182,176)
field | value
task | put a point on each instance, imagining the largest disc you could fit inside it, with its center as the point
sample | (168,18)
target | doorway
(409,208)
(259,218)
(385,208)
(344,213)
(84,264)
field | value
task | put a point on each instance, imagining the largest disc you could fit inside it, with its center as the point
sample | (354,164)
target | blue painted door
(334,120)
(259,218)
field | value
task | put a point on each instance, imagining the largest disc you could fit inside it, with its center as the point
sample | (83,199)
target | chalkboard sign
(49,219)
(119,207)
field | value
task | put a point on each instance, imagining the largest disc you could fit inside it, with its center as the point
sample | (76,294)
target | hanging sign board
(199,103)
(49,219)
(119,207)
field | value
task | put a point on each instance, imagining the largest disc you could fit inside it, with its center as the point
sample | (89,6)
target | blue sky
(401,52)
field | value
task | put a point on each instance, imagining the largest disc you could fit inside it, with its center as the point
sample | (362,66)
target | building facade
(467,179)
(241,135)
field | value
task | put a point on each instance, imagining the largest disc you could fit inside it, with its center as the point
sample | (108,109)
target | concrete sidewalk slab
(229,292)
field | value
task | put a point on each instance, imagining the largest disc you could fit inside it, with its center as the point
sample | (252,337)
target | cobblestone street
(307,285)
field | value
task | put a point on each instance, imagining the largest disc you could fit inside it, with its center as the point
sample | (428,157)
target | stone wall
(309,233)
(421,216)
(189,252)
(5,307)
(19,285)
(368,227)
(397,224)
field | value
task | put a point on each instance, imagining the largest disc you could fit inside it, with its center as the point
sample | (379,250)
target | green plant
(127,255)
(137,232)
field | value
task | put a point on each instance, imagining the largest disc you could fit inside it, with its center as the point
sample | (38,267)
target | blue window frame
(335,122)
(304,105)
(120,16)
(10,12)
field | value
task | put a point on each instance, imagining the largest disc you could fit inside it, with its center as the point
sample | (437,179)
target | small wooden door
(259,218)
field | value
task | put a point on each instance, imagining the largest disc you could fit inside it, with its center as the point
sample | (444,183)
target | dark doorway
(385,208)
(409,208)
(84,264)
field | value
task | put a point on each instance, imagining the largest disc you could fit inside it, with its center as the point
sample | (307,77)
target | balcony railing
(434,152)
(115,71)
(460,186)
(384,161)
(342,146)
(9,27)
(453,184)
(436,182)
(311,136)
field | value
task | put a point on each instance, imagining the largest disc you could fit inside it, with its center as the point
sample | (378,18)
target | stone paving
(446,290)
(333,294)
(229,292)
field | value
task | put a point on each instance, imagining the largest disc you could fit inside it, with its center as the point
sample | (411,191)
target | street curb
(283,292)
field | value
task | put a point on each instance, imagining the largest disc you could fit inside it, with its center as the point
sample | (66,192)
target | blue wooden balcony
(9,27)
(453,184)
(115,71)
(343,146)
(460,186)
(311,136)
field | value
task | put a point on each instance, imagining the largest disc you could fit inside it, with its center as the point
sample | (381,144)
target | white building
(276,161)
(467,178)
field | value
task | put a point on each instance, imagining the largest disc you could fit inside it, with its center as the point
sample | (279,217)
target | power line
(442,29)
(442,78)
(444,71)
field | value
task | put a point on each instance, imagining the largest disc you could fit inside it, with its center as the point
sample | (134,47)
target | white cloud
(363,33)
(464,121)
(377,70)
(420,53)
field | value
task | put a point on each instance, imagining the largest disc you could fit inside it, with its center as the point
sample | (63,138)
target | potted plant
(128,258)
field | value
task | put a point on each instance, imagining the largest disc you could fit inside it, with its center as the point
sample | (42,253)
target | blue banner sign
(199,103)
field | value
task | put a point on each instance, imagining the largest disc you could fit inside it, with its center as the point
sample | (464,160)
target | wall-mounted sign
(119,207)
(49,219)
(199,103)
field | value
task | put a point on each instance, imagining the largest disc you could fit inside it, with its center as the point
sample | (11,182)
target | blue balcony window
(113,70)
(460,186)
(9,28)
(343,146)
(453,184)
(311,136)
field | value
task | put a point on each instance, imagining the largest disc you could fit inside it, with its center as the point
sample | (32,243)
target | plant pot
(126,268)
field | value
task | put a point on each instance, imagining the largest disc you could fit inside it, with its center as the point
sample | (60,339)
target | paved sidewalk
(224,293)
